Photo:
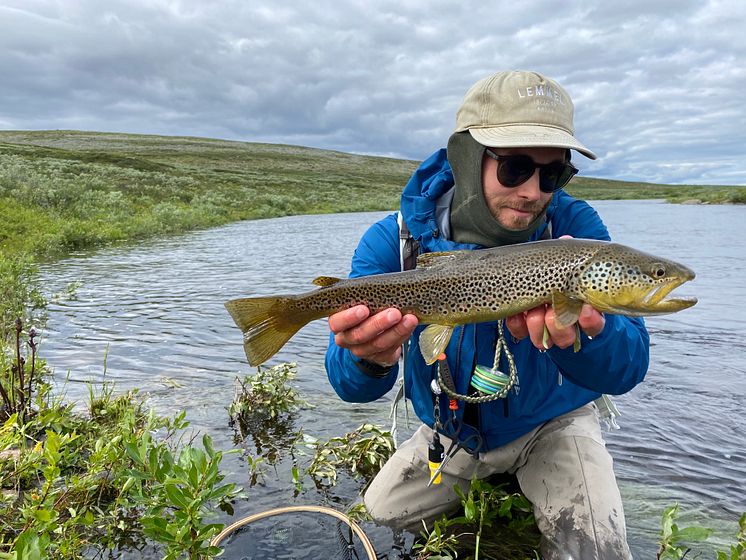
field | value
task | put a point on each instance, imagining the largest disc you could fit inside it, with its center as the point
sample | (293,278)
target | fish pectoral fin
(566,309)
(325,281)
(545,336)
(433,342)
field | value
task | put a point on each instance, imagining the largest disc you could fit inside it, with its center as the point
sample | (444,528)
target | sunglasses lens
(515,170)
(556,175)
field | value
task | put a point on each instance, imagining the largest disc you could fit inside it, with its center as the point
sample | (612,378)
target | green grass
(62,191)
(589,188)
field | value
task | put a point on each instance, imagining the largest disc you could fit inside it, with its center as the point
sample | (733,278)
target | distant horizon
(582,176)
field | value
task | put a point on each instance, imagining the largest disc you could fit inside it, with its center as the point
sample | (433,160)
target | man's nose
(530,189)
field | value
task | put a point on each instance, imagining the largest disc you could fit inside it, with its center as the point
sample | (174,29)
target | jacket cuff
(371,369)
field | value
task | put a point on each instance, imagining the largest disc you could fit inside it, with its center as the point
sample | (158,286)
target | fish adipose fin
(266,324)
(433,342)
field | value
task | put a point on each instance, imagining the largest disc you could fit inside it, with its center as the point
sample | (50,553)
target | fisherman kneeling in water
(499,182)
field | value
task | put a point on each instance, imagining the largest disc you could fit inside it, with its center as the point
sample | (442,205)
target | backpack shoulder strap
(409,247)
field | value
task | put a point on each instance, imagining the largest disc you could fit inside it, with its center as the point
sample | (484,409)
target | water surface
(153,314)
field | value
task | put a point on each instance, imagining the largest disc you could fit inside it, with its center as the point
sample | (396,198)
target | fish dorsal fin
(429,260)
(325,281)
(566,309)
(433,342)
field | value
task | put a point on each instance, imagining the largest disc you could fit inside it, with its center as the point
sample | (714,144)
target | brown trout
(450,289)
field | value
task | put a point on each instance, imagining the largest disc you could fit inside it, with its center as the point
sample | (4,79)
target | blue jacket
(550,383)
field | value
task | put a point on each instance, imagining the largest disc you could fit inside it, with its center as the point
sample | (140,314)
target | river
(151,317)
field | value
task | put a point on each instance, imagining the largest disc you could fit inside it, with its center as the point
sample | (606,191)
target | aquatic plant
(497,506)
(485,503)
(262,414)
(361,452)
(178,493)
(438,543)
(20,375)
(675,542)
(736,551)
(267,394)
(75,485)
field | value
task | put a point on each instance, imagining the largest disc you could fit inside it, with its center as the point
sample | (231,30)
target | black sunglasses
(514,170)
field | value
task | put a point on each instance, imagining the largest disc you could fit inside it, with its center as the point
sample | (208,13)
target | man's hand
(531,323)
(375,338)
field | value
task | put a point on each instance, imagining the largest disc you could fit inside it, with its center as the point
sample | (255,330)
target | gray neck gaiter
(471,219)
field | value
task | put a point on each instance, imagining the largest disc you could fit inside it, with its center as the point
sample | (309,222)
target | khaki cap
(517,109)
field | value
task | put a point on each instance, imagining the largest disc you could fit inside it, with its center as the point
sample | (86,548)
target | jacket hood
(425,205)
(470,217)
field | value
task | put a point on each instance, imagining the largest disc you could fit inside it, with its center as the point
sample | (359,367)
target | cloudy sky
(659,85)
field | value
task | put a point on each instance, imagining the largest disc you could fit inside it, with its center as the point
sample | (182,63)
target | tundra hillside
(62,191)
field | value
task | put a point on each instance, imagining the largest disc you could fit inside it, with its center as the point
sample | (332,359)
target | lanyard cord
(445,381)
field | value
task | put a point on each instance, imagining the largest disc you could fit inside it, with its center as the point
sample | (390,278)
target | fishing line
(354,527)
(490,383)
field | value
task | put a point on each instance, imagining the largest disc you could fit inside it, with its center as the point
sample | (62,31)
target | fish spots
(490,284)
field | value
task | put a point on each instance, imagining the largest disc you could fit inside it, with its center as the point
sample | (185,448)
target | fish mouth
(637,302)
(656,301)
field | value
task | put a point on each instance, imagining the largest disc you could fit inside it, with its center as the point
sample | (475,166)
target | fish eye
(659,271)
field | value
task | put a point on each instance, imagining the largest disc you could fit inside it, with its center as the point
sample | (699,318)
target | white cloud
(657,86)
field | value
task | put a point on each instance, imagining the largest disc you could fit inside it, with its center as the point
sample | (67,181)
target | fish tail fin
(267,324)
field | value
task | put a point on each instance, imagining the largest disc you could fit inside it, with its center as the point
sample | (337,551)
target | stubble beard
(516,223)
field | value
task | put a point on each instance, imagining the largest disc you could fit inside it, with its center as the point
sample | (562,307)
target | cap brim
(528,136)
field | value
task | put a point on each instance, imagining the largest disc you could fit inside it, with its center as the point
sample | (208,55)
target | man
(499,182)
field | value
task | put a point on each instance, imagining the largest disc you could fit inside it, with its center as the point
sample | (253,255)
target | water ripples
(156,312)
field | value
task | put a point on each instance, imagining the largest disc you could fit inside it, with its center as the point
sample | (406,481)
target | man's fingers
(591,321)
(535,320)
(516,325)
(368,329)
(385,348)
(376,336)
(563,337)
(532,324)
(345,320)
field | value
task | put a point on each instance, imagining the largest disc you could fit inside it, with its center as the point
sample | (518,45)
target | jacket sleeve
(617,359)
(612,362)
(377,253)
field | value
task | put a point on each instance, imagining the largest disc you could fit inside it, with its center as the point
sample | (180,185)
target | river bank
(63,191)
